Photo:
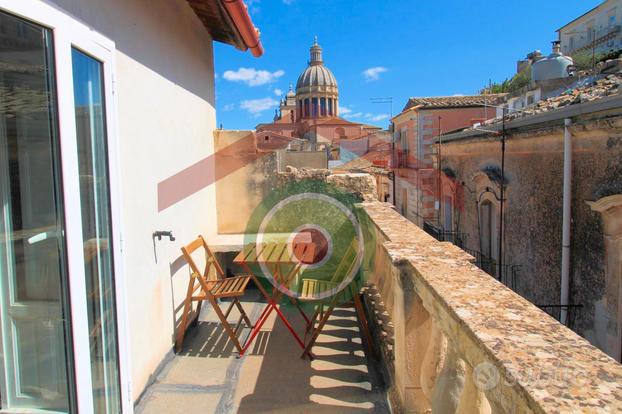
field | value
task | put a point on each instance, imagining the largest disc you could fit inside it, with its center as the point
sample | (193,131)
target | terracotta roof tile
(456,101)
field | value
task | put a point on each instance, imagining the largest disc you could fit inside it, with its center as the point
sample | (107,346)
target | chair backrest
(210,259)
(348,261)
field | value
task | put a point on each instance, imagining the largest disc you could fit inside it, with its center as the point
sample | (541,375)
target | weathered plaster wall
(533,214)
(244,178)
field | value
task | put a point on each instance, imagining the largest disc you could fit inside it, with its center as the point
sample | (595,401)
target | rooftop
(590,95)
(455,101)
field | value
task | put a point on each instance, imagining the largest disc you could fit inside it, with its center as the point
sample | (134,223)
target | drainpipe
(250,35)
(565,279)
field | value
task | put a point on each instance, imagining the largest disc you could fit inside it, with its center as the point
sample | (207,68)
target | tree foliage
(516,82)
(585,61)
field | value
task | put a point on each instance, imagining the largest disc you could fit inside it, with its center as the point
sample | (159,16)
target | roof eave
(570,111)
(228,22)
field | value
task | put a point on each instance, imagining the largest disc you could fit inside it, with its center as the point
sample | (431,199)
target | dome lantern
(316,53)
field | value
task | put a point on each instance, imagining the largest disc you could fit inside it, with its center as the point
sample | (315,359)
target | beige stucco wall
(164,78)
(244,175)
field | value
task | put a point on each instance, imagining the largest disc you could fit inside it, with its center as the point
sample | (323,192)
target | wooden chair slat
(266,253)
(210,290)
(280,253)
(236,285)
(254,252)
(240,257)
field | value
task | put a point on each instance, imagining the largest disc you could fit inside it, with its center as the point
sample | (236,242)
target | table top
(276,253)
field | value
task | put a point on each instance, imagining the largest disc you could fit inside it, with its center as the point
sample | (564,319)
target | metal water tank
(554,66)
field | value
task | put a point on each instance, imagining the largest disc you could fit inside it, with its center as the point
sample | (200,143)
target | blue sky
(386,48)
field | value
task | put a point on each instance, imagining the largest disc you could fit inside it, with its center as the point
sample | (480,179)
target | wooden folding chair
(311,288)
(201,287)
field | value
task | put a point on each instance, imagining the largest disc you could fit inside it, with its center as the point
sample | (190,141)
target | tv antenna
(386,100)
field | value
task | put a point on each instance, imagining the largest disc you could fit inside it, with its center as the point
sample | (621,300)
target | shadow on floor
(208,376)
(209,339)
(339,379)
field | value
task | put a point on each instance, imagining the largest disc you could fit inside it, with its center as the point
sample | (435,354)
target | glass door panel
(36,361)
(97,230)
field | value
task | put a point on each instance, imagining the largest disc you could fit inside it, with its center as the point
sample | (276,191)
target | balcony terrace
(450,338)
(207,377)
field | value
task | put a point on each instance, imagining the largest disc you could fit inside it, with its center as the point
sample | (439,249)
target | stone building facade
(414,158)
(598,30)
(531,224)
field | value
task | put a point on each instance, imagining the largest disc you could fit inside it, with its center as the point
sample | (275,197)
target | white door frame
(67,34)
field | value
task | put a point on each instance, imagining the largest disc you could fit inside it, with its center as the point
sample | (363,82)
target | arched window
(448,213)
(489,235)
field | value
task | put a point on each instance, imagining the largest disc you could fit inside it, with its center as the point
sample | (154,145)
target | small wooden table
(276,257)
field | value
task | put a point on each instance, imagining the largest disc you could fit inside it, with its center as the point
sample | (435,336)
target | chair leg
(318,330)
(225,324)
(195,321)
(316,314)
(184,318)
(358,305)
(311,323)
(244,315)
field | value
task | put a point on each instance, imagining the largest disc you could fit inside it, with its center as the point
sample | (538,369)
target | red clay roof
(335,121)
(455,101)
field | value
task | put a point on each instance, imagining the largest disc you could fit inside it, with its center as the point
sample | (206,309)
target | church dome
(317,95)
(316,74)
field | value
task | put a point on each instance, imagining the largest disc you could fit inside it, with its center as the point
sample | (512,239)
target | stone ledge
(550,368)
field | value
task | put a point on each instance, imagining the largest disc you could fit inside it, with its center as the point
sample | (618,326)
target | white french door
(61,314)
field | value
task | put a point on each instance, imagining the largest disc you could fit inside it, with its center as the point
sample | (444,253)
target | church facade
(311,111)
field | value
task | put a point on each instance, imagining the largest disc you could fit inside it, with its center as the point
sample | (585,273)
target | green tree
(516,82)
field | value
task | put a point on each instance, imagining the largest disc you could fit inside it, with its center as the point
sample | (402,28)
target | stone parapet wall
(460,341)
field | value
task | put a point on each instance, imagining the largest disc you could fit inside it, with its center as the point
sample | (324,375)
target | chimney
(556,47)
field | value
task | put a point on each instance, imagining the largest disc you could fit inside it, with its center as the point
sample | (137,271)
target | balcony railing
(442,234)
(596,39)
(454,339)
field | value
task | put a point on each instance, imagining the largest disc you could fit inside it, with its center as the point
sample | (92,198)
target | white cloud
(278,92)
(257,106)
(344,110)
(355,115)
(252,76)
(228,107)
(379,117)
(373,74)
(368,115)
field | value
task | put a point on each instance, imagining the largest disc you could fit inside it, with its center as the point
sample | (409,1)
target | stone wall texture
(533,214)
(462,342)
